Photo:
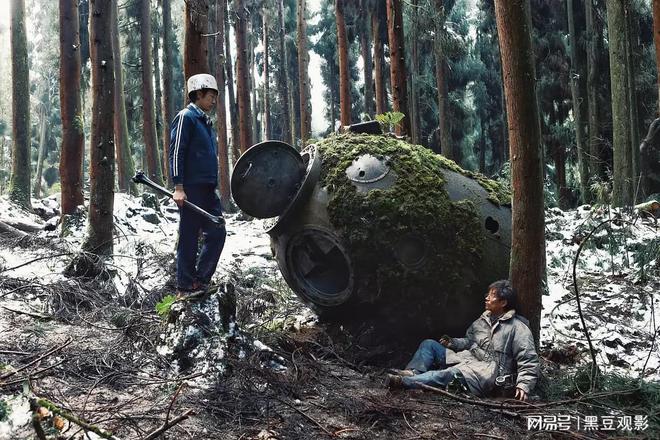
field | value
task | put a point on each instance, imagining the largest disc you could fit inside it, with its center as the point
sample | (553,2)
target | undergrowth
(620,395)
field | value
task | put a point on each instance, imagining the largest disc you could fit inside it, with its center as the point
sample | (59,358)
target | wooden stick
(30,314)
(36,424)
(523,405)
(30,376)
(73,419)
(167,425)
(45,355)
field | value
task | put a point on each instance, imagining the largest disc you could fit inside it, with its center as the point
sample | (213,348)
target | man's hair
(192,96)
(504,290)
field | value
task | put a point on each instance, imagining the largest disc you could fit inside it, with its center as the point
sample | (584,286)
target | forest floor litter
(250,361)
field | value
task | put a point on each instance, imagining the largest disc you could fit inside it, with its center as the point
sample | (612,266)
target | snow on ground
(137,226)
(620,306)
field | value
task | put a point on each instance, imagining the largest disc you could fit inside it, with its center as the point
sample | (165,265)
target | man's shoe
(393,381)
(402,373)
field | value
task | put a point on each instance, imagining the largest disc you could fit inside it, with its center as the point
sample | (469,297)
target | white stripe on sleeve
(175,166)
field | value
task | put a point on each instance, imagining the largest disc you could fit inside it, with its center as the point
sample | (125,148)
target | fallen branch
(525,405)
(33,374)
(73,419)
(6,229)
(36,424)
(30,314)
(167,425)
(28,365)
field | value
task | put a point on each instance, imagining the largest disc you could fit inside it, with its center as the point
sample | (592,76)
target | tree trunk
(102,151)
(124,158)
(379,62)
(559,153)
(233,106)
(482,147)
(446,147)
(254,123)
(414,72)
(365,48)
(148,111)
(595,155)
(223,148)
(195,51)
(283,79)
(622,193)
(656,41)
(527,241)
(583,163)
(45,111)
(242,76)
(398,64)
(631,37)
(211,35)
(70,109)
(266,42)
(342,48)
(19,184)
(158,121)
(168,85)
(303,76)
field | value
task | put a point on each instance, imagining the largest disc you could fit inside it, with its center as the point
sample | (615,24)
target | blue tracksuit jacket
(193,149)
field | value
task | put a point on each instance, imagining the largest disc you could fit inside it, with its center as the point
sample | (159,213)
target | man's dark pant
(190,268)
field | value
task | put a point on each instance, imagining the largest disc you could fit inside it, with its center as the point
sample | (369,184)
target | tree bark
(365,48)
(195,51)
(303,76)
(631,47)
(43,125)
(342,48)
(19,184)
(656,41)
(414,73)
(125,166)
(622,193)
(283,79)
(266,43)
(379,62)
(446,147)
(102,151)
(527,242)
(233,106)
(398,65)
(254,123)
(595,155)
(158,121)
(148,111)
(168,85)
(242,76)
(578,99)
(70,109)
(223,148)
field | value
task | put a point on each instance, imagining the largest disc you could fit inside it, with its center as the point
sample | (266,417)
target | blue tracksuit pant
(191,267)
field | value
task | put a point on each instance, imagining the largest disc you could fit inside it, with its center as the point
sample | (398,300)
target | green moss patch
(371,223)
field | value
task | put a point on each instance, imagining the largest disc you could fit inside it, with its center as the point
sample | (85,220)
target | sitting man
(498,349)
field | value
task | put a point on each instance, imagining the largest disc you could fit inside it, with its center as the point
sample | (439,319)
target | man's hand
(179,195)
(445,340)
(521,395)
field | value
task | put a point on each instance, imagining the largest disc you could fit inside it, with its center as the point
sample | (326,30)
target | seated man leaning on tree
(496,354)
